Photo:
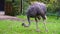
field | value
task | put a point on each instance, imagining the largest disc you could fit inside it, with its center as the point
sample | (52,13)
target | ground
(15,27)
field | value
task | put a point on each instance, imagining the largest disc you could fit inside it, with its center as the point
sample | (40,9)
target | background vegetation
(15,7)
(20,6)
(52,6)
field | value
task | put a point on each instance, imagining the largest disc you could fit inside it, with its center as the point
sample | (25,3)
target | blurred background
(19,7)
(52,6)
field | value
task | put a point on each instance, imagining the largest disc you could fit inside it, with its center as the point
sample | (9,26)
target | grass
(15,27)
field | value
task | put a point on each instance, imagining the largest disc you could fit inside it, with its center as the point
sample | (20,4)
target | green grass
(15,27)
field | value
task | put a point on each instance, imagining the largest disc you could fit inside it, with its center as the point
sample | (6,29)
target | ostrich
(36,10)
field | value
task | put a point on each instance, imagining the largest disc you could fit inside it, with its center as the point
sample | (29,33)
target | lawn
(15,27)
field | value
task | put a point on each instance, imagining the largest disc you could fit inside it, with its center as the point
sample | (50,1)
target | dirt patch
(5,17)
